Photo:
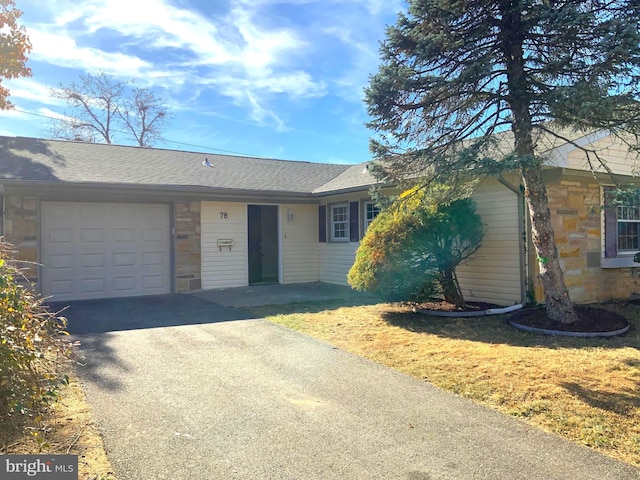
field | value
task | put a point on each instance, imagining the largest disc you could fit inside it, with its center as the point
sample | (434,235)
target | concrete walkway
(277,294)
(247,399)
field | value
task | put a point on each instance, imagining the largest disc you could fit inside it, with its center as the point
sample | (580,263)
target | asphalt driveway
(185,389)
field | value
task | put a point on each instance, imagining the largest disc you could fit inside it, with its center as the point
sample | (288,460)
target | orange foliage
(14,48)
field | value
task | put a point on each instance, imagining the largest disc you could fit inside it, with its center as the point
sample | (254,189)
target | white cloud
(21,122)
(363,61)
(30,89)
(244,53)
(160,25)
(295,84)
(263,48)
(235,39)
(256,93)
(62,50)
(174,48)
(263,115)
(50,113)
(15,114)
(382,7)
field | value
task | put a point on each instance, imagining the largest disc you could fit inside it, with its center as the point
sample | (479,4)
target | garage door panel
(92,211)
(59,235)
(60,287)
(105,250)
(93,260)
(92,235)
(124,259)
(153,258)
(94,285)
(123,234)
(120,212)
(124,284)
(64,260)
(152,235)
(152,282)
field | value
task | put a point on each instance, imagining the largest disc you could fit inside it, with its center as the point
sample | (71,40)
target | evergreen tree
(412,249)
(462,79)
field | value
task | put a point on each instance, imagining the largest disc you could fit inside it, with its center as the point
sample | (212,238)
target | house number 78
(224,215)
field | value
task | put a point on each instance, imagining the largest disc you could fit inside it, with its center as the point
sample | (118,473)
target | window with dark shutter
(322,223)
(610,224)
(354,223)
(339,222)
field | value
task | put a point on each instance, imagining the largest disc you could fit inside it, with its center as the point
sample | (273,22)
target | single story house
(97,221)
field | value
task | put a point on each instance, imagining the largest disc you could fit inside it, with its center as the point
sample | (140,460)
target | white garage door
(101,250)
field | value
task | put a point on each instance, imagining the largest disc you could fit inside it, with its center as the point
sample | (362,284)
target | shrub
(411,250)
(33,348)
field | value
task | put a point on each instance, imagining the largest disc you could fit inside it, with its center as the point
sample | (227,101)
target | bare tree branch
(145,116)
(101,107)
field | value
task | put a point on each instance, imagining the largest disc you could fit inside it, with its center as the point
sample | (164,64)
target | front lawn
(587,390)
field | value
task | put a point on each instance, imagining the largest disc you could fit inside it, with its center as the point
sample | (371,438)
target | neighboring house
(100,221)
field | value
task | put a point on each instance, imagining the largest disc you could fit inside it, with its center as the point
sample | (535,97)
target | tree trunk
(451,288)
(556,296)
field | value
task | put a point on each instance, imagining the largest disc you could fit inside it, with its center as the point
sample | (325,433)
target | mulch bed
(442,306)
(592,320)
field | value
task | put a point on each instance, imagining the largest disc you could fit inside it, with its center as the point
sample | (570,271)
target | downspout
(523,227)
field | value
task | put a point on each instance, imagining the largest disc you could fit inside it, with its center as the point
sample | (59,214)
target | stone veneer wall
(21,230)
(576,217)
(188,257)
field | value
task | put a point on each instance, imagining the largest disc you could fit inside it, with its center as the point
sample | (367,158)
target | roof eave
(191,191)
(359,188)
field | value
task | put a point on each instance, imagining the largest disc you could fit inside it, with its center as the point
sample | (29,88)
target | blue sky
(279,79)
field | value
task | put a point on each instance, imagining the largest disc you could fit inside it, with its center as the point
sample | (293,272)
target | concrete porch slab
(278,294)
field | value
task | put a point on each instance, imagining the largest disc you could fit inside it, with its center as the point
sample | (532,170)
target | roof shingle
(56,161)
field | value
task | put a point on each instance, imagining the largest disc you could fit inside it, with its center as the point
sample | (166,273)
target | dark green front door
(263,244)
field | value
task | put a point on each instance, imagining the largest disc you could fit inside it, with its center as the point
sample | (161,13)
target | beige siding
(335,261)
(615,152)
(224,268)
(300,252)
(493,273)
(336,258)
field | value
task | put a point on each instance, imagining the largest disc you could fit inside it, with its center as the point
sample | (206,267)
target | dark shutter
(610,224)
(322,223)
(354,222)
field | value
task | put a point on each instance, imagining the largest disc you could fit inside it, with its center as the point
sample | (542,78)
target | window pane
(339,222)
(372,211)
(629,212)
(628,235)
(339,214)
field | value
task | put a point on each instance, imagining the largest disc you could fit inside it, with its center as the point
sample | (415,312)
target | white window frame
(375,211)
(625,214)
(628,215)
(344,222)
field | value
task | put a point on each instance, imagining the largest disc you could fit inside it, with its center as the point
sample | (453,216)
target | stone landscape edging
(479,313)
(563,333)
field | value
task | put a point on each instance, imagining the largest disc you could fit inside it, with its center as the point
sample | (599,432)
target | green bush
(33,348)
(411,250)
